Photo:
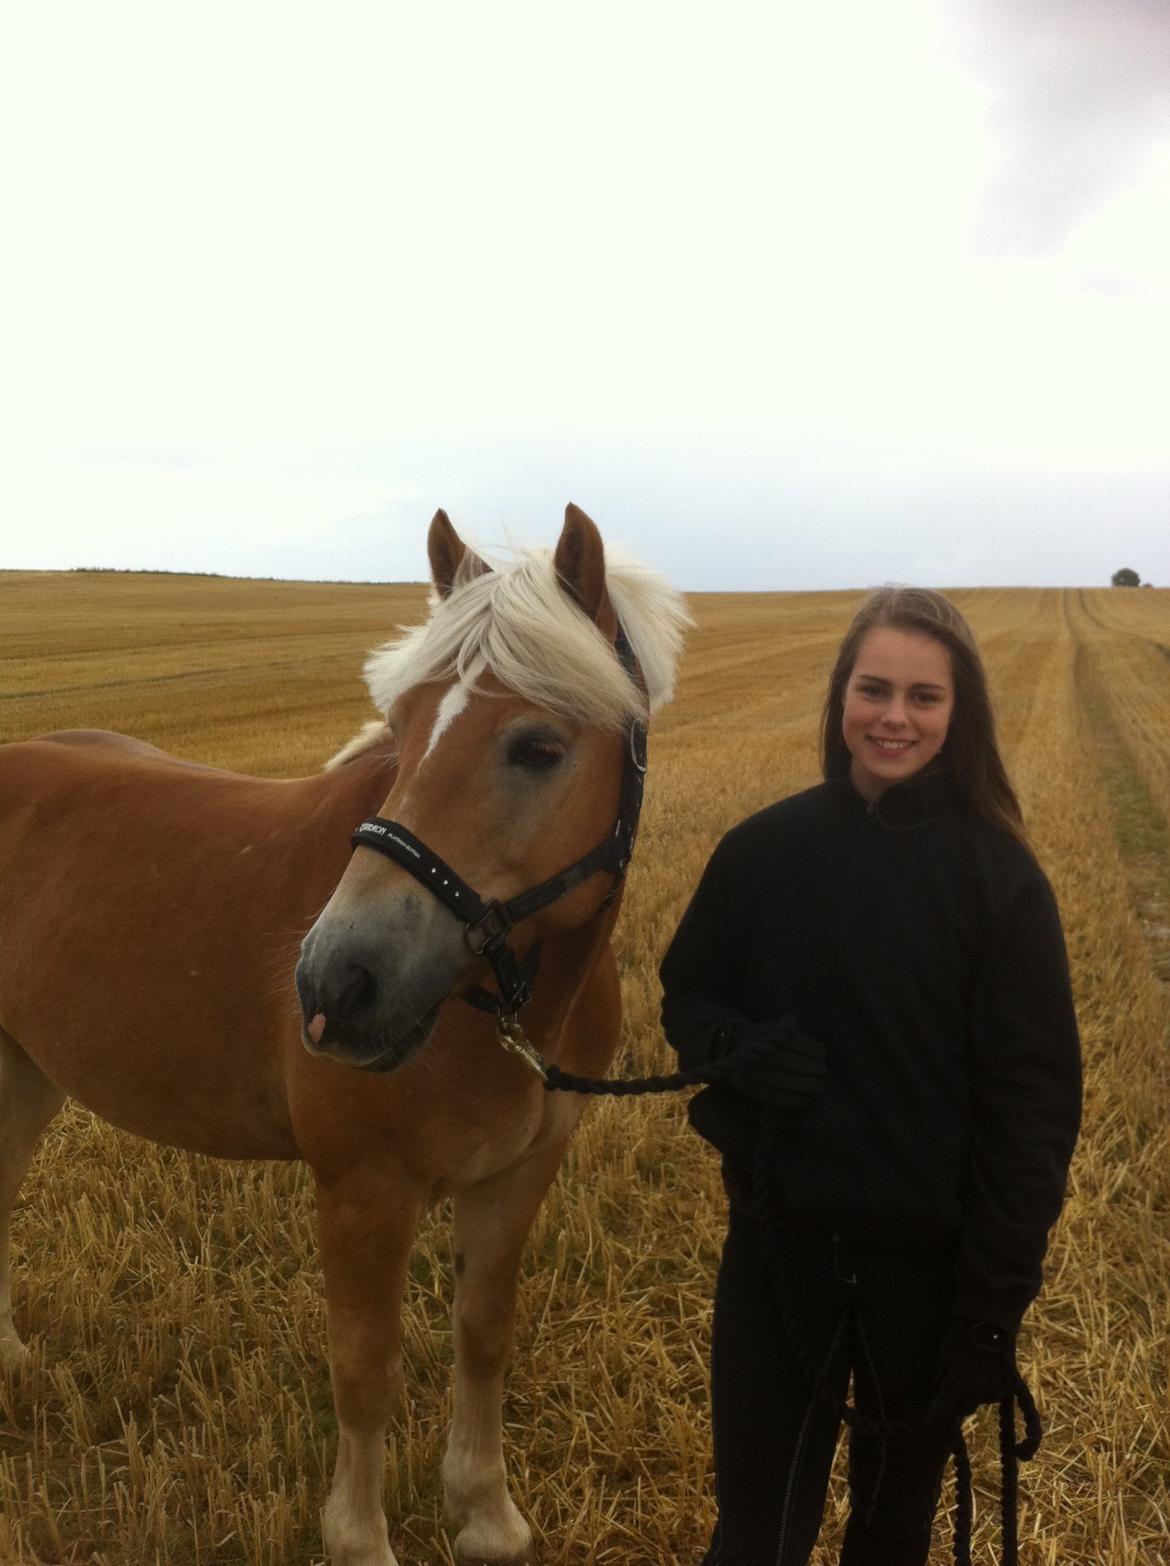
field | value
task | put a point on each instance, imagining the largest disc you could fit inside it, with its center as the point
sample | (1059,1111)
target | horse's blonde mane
(517,621)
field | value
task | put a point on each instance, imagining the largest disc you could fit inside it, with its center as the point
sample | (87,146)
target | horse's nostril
(338,1001)
(358,991)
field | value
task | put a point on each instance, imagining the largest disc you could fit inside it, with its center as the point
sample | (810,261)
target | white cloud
(1079,91)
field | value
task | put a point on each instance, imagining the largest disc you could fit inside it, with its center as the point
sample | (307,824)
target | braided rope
(1011,1455)
(1011,1475)
(964,1501)
(558,1081)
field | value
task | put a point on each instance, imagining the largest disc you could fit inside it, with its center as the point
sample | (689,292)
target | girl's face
(899,700)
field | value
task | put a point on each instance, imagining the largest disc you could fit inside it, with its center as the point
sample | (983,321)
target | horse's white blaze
(453,703)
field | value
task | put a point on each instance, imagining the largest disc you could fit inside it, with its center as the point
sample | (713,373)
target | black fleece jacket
(923,947)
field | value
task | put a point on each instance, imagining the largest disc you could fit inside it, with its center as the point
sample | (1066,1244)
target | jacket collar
(921,798)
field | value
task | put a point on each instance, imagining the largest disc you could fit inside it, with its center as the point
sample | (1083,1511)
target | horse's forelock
(518,622)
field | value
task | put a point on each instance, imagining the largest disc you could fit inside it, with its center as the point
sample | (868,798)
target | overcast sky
(784,295)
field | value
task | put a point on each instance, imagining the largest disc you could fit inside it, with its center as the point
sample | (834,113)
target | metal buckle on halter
(491,926)
(513,1038)
(520,993)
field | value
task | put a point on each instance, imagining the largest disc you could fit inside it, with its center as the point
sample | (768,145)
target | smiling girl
(881,960)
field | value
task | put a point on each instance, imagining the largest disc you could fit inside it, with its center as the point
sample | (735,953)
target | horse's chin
(383,1055)
(403,1049)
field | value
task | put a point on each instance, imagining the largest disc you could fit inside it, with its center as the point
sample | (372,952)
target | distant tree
(1126,578)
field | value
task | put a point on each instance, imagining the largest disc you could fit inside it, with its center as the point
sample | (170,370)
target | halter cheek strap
(488,922)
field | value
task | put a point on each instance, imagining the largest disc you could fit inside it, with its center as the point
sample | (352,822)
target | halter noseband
(488,922)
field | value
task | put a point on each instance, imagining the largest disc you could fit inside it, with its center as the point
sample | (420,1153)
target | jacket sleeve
(1025,1107)
(700,972)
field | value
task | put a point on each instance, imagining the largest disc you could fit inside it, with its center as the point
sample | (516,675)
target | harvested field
(176,1407)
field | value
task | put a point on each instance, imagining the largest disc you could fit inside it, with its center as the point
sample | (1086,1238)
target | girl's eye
(534,755)
(872,691)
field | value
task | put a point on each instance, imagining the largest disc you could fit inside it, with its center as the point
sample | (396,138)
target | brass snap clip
(513,1038)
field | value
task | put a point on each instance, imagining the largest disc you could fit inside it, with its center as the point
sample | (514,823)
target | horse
(146,903)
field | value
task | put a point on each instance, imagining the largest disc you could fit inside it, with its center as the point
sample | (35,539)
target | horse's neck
(355,789)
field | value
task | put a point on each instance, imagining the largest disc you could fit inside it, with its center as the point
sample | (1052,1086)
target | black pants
(878,1312)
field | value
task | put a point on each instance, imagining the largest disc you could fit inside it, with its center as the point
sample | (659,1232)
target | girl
(881,959)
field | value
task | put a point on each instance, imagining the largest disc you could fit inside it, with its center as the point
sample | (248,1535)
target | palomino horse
(145,904)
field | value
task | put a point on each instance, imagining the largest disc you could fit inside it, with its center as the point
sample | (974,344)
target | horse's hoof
(505,1540)
(475,1557)
(13,1354)
(354,1541)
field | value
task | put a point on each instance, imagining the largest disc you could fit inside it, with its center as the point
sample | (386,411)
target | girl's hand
(777,1065)
(976,1365)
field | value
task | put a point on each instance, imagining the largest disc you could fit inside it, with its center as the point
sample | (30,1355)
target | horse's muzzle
(362,1008)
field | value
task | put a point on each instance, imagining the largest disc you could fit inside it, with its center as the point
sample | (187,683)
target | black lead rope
(1011,1452)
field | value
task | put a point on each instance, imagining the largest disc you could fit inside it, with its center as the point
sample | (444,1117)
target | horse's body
(151,915)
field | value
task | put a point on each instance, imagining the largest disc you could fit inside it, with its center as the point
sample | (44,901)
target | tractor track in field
(1139,825)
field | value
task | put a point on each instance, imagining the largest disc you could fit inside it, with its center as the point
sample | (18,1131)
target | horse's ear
(447,552)
(580,561)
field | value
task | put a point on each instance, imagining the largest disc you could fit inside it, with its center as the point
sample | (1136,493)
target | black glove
(976,1365)
(777,1065)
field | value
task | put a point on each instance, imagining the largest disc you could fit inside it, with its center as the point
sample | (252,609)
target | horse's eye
(535,755)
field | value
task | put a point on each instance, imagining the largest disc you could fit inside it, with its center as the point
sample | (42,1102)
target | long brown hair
(976,768)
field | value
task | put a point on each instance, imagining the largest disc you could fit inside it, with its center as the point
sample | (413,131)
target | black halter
(487,923)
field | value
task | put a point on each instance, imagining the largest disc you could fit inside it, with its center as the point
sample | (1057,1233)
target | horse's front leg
(491,1222)
(366,1228)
